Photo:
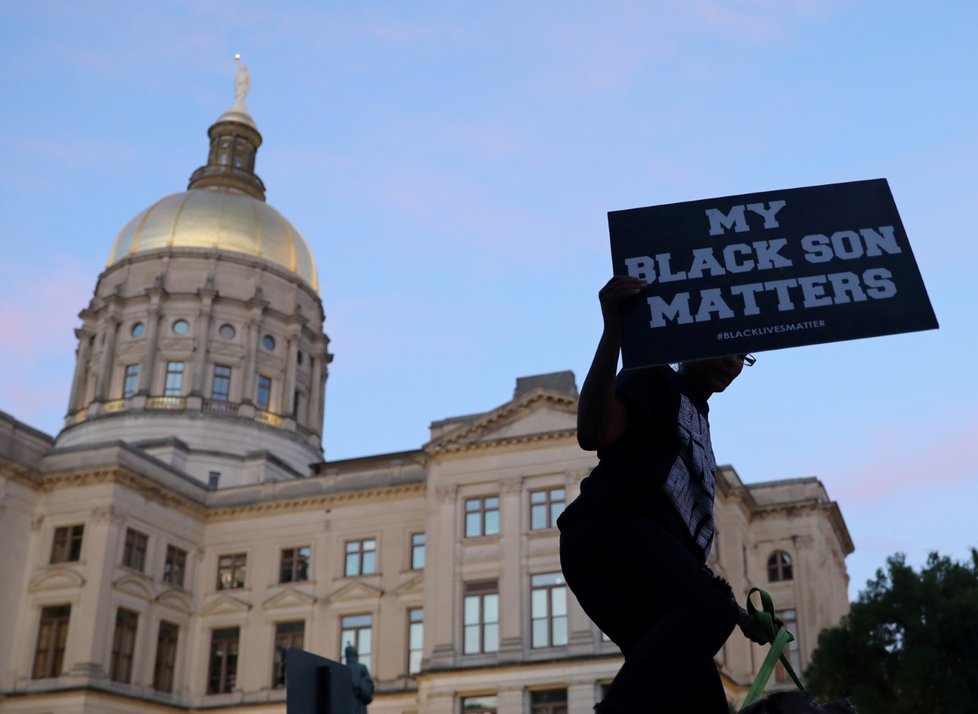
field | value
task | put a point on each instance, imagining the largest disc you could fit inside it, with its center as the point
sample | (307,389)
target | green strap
(760,625)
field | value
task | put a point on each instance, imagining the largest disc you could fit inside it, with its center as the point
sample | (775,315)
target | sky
(452,164)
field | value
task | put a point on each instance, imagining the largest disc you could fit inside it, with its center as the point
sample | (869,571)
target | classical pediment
(539,414)
(355,591)
(222,604)
(134,585)
(57,579)
(176,600)
(412,586)
(288,598)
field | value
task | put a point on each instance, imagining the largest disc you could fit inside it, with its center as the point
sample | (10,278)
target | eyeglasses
(748,360)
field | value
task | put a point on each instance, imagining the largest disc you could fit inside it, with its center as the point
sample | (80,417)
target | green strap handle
(761,626)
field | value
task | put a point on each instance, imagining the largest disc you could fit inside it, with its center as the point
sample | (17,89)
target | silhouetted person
(363,684)
(633,545)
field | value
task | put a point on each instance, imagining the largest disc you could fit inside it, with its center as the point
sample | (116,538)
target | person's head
(714,374)
(351,654)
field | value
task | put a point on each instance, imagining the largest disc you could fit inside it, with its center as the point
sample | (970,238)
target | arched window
(779,567)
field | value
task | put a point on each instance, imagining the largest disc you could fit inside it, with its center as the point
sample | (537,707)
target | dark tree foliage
(909,645)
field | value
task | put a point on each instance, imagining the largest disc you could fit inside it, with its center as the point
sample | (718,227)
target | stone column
(107,363)
(509,700)
(251,356)
(580,697)
(257,305)
(79,381)
(202,338)
(442,607)
(287,400)
(148,364)
(511,586)
(320,386)
(92,615)
(315,394)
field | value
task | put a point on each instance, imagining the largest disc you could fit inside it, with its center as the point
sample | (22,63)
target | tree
(909,645)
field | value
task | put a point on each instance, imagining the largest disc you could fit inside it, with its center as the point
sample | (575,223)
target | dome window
(268,342)
(226,331)
(137,329)
(180,327)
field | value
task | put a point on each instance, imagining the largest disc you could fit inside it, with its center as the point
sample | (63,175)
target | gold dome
(221,218)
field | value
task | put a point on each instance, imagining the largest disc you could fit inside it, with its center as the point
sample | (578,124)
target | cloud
(39,304)
(910,458)
(754,21)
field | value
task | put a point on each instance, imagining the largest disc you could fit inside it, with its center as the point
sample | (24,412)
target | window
(66,547)
(231,571)
(417,551)
(479,705)
(552,701)
(221,384)
(295,565)
(779,567)
(268,342)
(213,479)
(131,381)
(166,656)
(227,331)
(51,637)
(175,566)
(223,671)
(138,329)
(415,639)
(180,327)
(481,516)
(134,552)
(548,610)
(173,386)
(361,557)
(224,153)
(123,645)
(287,634)
(545,507)
(264,393)
(481,618)
(792,651)
(296,403)
(356,630)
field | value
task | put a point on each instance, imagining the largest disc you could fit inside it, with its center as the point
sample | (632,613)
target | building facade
(183,530)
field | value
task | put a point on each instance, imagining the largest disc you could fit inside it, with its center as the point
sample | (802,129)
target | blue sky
(452,164)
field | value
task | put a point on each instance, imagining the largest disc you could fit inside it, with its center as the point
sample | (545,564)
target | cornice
(142,485)
(18,472)
(262,506)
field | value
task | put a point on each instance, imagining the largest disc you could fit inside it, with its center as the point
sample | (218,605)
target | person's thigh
(627,573)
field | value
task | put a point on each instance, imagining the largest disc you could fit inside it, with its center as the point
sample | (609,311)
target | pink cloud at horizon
(40,314)
(906,460)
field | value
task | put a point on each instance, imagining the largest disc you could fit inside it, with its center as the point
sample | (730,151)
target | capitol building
(183,530)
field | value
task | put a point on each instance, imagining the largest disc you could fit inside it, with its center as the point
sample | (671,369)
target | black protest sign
(764,271)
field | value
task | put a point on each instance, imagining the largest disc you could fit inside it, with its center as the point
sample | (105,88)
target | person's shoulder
(648,392)
(647,378)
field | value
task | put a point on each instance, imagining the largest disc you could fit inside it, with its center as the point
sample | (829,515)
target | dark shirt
(662,466)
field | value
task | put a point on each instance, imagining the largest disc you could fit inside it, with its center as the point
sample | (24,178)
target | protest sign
(765,271)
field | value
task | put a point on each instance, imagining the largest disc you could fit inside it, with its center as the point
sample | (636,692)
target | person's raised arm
(601,417)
